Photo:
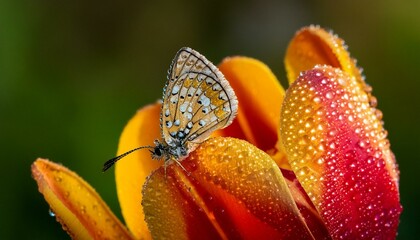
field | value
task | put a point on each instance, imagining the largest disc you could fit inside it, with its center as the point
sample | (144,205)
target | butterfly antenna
(112,161)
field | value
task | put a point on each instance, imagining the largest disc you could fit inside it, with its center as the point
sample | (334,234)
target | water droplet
(378,114)
(51,213)
(329,95)
(303,171)
(332,133)
(320,161)
(308,109)
(342,81)
(373,101)
(303,141)
(83,209)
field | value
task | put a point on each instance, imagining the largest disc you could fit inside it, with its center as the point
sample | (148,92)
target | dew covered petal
(76,205)
(337,147)
(131,172)
(233,191)
(314,45)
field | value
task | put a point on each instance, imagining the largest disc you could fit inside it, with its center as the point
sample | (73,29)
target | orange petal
(338,149)
(313,45)
(232,190)
(260,96)
(131,172)
(77,206)
(306,207)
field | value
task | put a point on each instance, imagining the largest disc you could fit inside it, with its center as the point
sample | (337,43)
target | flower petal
(131,172)
(314,46)
(306,207)
(232,190)
(260,96)
(338,149)
(77,206)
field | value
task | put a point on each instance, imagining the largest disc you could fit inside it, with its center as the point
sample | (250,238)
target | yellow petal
(77,206)
(131,172)
(260,96)
(313,45)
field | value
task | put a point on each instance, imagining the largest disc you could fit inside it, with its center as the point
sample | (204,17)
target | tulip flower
(312,162)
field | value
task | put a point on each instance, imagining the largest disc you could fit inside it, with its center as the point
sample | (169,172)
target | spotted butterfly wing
(197,100)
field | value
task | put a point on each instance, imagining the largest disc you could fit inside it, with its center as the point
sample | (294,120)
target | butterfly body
(197,100)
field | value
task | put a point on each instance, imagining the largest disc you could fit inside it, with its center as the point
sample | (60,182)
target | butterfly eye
(158,151)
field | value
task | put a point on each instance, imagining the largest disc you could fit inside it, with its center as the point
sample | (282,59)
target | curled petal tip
(314,45)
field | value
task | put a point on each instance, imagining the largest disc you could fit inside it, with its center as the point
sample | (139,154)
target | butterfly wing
(197,99)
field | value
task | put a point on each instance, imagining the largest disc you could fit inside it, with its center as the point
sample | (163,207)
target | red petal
(307,209)
(338,149)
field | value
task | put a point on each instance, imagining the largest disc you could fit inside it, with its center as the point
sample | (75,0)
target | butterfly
(197,100)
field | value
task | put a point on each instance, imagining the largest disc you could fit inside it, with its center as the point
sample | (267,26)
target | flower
(312,162)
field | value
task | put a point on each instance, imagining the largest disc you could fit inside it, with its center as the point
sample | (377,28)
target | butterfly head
(159,151)
(176,150)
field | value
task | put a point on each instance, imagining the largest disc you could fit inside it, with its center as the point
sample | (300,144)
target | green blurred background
(72,73)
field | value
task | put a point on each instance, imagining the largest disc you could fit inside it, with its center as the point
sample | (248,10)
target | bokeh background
(72,73)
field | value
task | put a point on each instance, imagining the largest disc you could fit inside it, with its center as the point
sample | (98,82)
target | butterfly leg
(165,165)
(180,165)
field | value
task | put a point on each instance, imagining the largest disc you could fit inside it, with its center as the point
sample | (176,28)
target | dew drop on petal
(51,213)
(329,95)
